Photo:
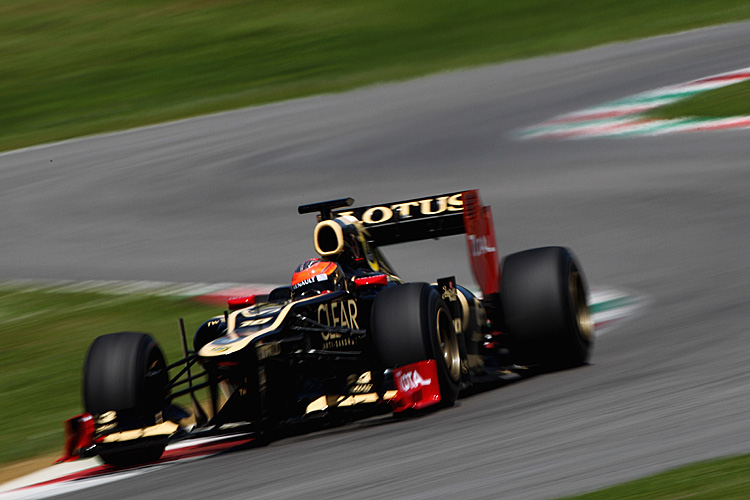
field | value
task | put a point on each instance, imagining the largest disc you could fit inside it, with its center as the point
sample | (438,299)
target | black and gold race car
(348,333)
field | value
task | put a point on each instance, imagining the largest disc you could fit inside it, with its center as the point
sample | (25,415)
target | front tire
(411,323)
(126,373)
(544,303)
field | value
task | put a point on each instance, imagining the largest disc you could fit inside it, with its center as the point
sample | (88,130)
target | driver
(315,277)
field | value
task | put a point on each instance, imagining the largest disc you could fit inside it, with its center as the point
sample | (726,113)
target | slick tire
(126,373)
(545,310)
(412,323)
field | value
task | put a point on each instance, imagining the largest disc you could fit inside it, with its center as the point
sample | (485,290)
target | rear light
(370,281)
(241,302)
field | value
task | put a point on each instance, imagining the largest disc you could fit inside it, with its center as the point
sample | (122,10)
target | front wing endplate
(417,385)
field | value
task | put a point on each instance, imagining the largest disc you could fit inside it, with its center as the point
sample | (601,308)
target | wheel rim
(448,344)
(580,305)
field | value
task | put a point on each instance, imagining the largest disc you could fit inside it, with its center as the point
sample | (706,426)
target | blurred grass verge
(733,100)
(78,67)
(45,334)
(727,479)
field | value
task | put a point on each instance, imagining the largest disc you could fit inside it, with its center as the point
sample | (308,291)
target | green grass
(76,67)
(732,100)
(725,479)
(44,336)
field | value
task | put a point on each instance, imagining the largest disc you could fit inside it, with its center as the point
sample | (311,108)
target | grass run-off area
(76,67)
(733,100)
(725,479)
(45,334)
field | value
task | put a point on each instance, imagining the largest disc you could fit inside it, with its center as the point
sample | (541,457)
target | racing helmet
(316,276)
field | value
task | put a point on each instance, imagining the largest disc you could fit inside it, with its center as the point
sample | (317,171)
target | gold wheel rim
(580,305)
(448,344)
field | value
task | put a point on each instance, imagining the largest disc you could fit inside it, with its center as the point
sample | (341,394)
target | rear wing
(411,220)
(434,217)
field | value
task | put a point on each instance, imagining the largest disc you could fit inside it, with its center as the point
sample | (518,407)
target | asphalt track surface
(214,199)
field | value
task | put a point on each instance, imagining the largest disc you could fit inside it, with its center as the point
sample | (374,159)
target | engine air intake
(329,238)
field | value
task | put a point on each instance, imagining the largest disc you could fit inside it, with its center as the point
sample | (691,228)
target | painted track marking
(75,476)
(627,117)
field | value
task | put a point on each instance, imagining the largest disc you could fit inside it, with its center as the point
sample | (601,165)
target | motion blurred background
(79,67)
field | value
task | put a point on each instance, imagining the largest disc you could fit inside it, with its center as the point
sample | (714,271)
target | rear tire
(544,302)
(412,323)
(126,373)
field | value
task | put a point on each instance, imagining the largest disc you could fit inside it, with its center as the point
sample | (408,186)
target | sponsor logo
(308,281)
(341,313)
(407,209)
(480,246)
(412,380)
(449,294)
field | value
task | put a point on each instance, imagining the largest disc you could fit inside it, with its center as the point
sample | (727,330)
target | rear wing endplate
(480,237)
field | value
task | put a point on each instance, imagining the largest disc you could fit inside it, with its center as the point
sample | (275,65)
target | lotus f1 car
(347,333)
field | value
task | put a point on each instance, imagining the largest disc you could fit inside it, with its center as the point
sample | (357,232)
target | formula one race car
(347,333)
